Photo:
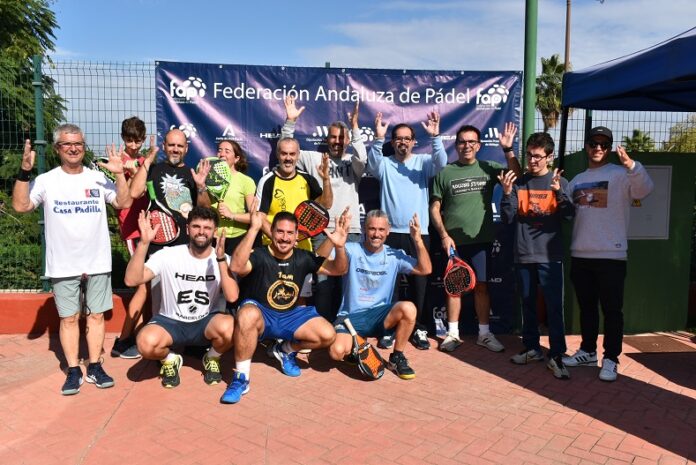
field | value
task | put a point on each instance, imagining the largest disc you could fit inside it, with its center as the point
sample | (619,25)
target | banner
(211,102)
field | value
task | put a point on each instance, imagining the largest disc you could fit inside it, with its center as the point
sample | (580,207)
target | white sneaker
(609,370)
(450,343)
(490,342)
(581,358)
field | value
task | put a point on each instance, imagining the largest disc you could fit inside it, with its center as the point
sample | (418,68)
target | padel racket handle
(452,251)
(151,190)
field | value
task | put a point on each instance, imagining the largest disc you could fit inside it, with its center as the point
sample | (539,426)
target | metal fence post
(40,147)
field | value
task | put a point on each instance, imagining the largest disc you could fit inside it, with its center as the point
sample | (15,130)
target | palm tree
(548,90)
(639,142)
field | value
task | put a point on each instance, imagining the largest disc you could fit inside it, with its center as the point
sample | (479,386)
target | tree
(682,136)
(639,142)
(548,90)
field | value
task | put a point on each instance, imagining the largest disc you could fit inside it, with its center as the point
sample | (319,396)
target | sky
(470,35)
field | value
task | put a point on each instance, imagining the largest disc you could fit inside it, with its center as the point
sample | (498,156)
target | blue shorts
(282,325)
(368,322)
(477,256)
(184,333)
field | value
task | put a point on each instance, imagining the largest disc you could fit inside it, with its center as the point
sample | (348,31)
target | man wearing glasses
(537,203)
(462,215)
(77,243)
(404,178)
(602,195)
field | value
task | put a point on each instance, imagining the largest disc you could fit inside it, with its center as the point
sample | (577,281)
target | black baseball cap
(601,131)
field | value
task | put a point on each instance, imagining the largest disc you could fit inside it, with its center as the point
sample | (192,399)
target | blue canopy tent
(659,78)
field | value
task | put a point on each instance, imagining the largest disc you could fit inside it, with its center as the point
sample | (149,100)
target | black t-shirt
(277,283)
(175,189)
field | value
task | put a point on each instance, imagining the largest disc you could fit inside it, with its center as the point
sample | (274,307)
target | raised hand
(200,176)
(339,236)
(256,217)
(507,137)
(414,228)
(147,232)
(556,180)
(291,110)
(507,179)
(353,116)
(220,246)
(433,125)
(28,156)
(154,149)
(624,158)
(380,127)
(323,168)
(115,163)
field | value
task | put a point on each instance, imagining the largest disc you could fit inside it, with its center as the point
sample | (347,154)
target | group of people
(237,275)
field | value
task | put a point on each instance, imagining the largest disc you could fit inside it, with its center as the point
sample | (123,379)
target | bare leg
(219,332)
(95,336)
(403,316)
(154,342)
(482,303)
(69,333)
(314,334)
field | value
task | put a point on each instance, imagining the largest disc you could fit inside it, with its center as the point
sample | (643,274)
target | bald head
(175,147)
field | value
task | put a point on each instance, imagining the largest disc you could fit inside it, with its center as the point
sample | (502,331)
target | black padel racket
(159,214)
(370,362)
(312,219)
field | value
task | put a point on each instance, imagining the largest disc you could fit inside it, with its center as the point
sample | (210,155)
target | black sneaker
(386,341)
(170,372)
(399,363)
(419,339)
(211,370)
(97,376)
(72,382)
(125,348)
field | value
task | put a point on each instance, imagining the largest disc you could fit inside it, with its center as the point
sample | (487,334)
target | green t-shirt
(241,185)
(466,192)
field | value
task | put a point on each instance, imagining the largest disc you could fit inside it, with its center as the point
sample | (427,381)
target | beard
(200,244)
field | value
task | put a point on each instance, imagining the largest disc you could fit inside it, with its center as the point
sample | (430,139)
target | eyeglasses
(536,157)
(594,144)
(71,145)
(403,139)
(467,142)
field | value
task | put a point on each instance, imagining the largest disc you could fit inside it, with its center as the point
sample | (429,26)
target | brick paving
(469,407)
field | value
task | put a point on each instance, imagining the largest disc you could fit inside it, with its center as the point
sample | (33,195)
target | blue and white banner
(244,103)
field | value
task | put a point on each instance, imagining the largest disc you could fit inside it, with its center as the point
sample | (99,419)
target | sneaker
(170,372)
(490,342)
(609,370)
(420,339)
(399,363)
(581,358)
(287,361)
(236,389)
(557,367)
(211,367)
(386,341)
(125,348)
(450,343)
(527,356)
(72,382)
(97,376)
(304,351)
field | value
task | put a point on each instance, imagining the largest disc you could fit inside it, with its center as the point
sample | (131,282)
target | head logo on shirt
(92,193)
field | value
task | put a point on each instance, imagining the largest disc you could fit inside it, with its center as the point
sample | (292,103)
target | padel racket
(218,180)
(312,219)
(84,308)
(127,165)
(159,214)
(370,363)
(459,276)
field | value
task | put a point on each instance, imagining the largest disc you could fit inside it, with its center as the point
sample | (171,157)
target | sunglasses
(604,145)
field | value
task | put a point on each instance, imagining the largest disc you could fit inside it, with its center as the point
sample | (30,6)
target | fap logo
(492,98)
(188,89)
(187,128)
(367,134)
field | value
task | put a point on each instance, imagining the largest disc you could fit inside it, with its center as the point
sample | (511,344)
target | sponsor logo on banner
(491,98)
(187,90)
(187,128)
(489,138)
(367,134)
(269,135)
(321,131)
(228,134)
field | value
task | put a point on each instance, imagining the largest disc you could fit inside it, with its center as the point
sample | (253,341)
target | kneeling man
(191,277)
(368,288)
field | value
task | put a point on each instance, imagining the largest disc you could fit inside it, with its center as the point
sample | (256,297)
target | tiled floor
(472,406)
